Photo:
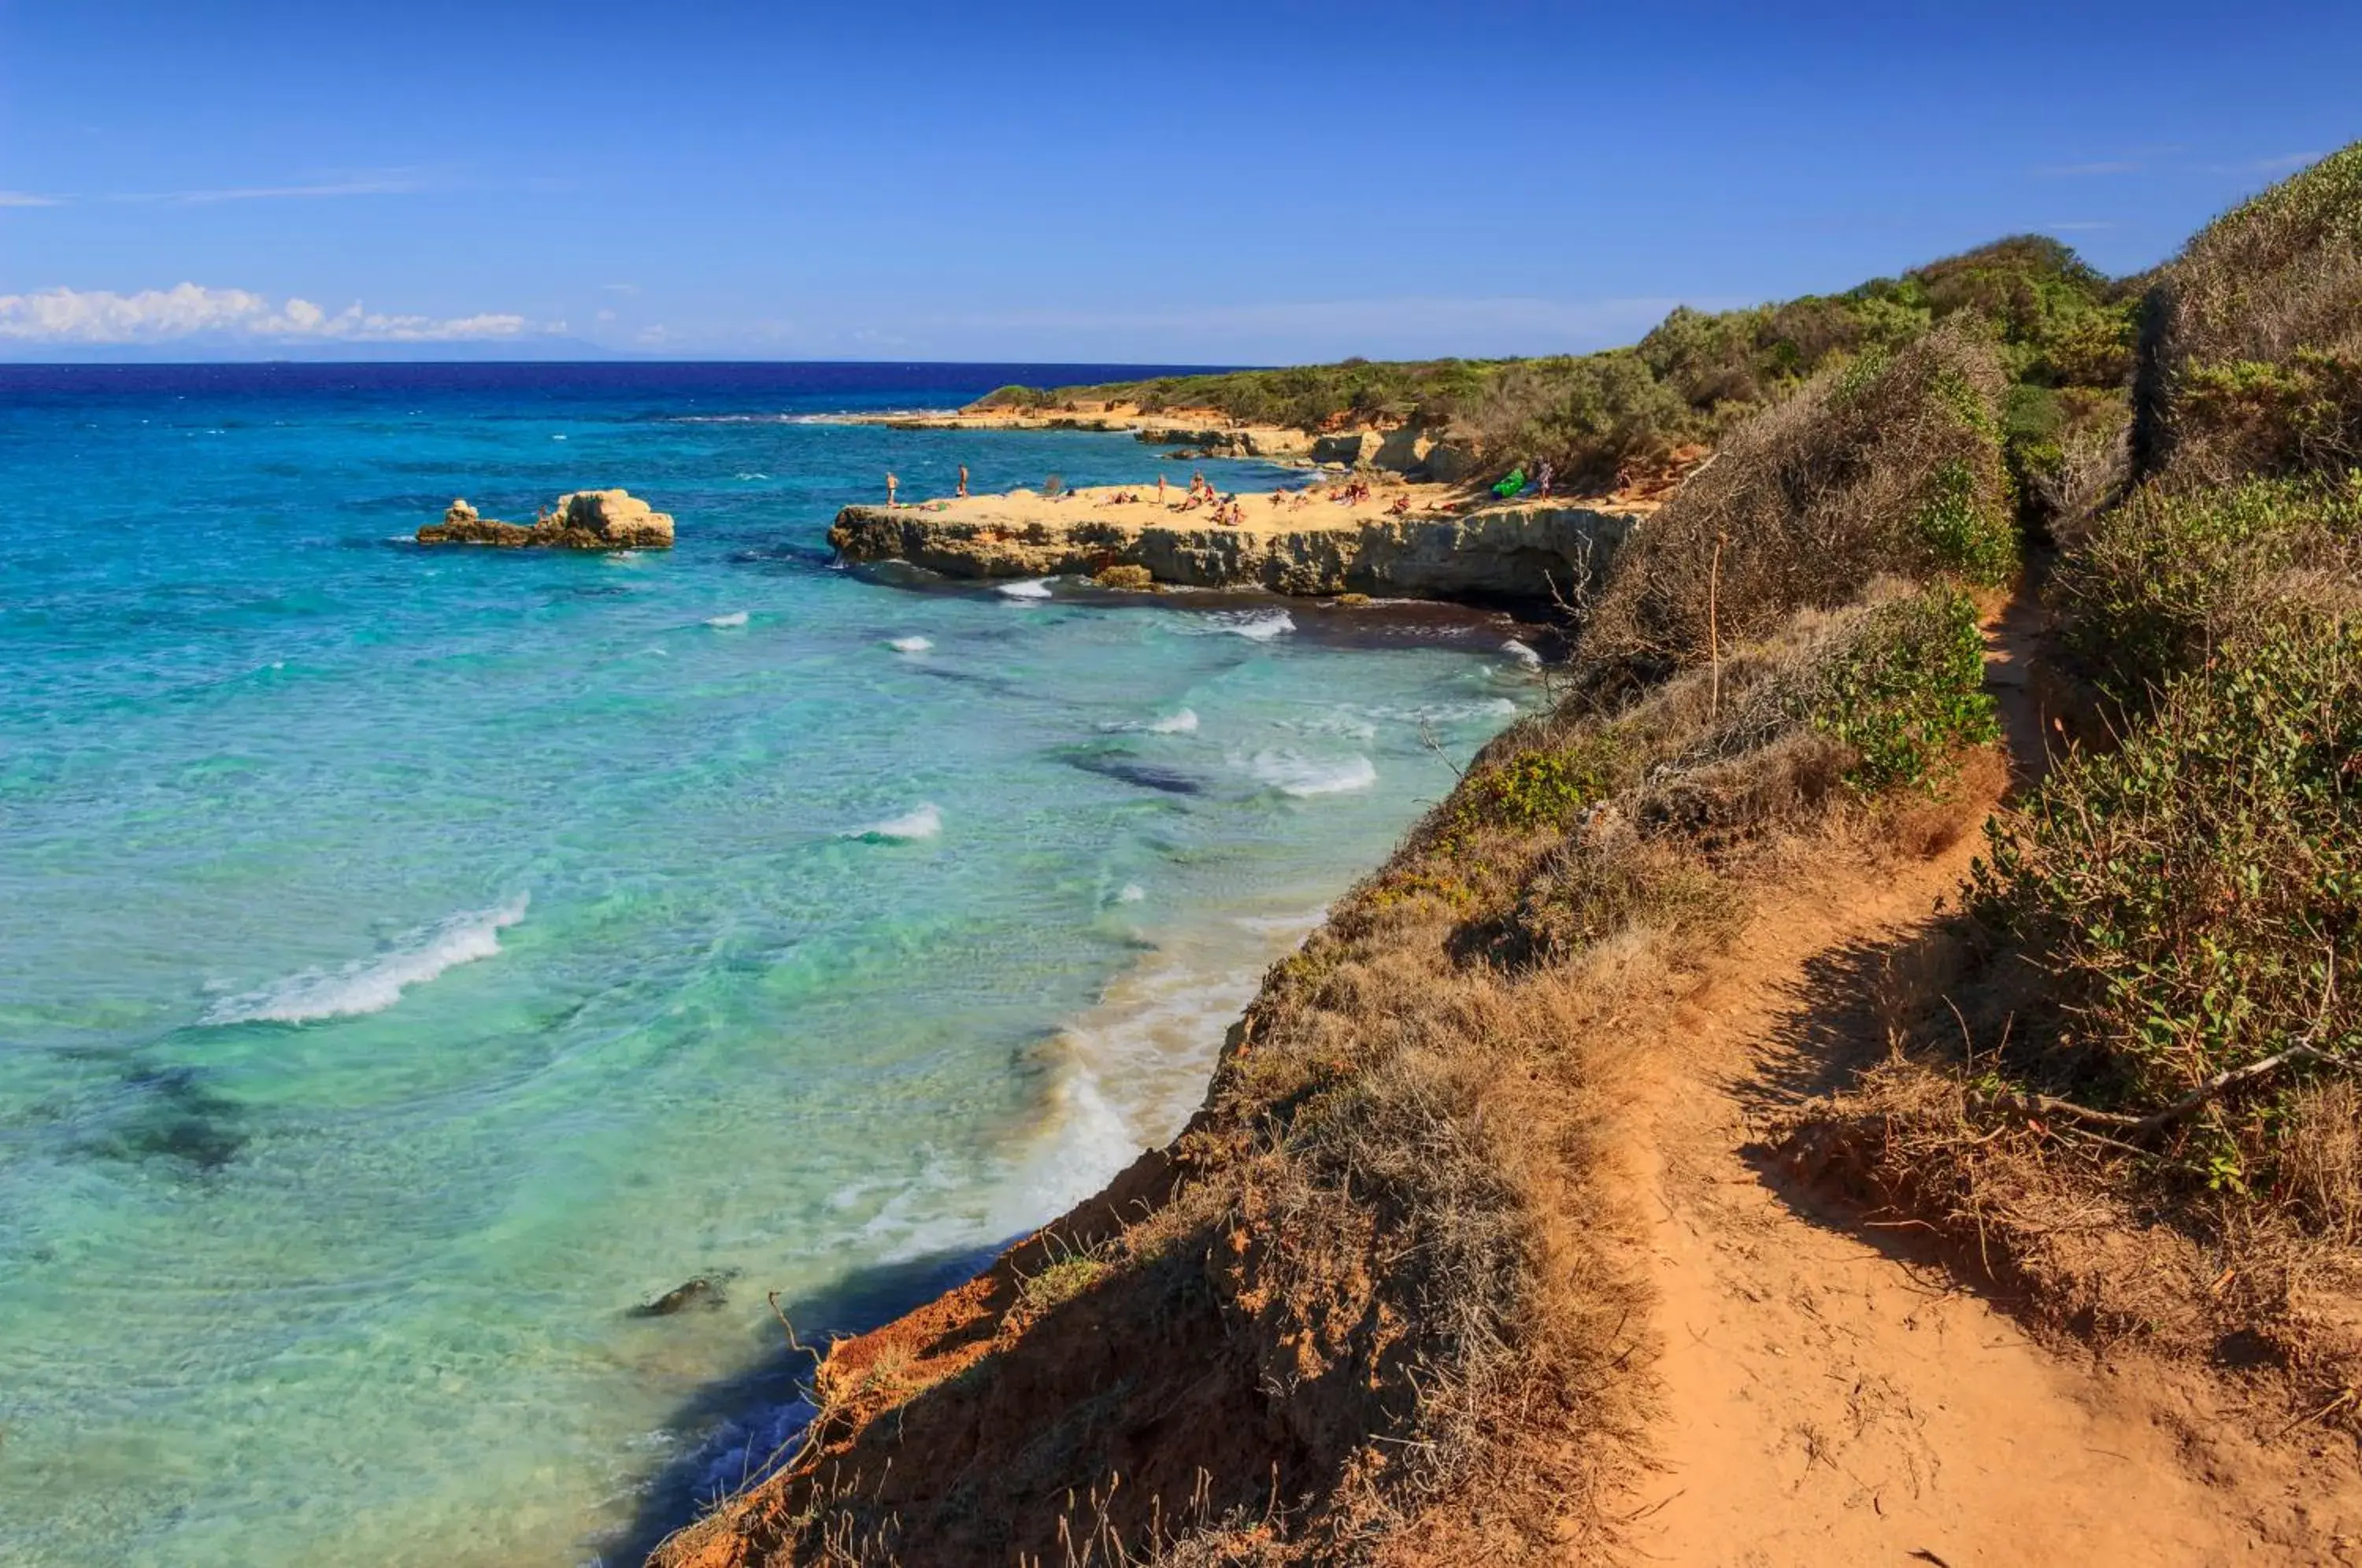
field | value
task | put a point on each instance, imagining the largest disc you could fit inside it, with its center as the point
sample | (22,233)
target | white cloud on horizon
(186,310)
(28,199)
(376,187)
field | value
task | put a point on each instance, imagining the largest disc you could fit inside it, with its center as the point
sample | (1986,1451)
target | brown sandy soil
(1829,1395)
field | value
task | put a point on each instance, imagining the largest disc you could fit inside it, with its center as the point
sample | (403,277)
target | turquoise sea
(411,960)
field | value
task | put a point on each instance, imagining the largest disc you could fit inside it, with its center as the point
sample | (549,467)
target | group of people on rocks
(1227,510)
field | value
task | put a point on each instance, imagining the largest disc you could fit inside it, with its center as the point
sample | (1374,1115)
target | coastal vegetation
(2144,1110)
(2061,333)
(1386,1297)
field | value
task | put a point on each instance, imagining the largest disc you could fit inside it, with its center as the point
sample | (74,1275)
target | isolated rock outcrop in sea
(582,520)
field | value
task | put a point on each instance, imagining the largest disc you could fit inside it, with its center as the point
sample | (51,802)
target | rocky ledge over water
(1520,551)
(581,520)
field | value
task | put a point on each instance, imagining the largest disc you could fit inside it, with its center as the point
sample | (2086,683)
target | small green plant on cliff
(1909,692)
(1544,787)
(1061,1281)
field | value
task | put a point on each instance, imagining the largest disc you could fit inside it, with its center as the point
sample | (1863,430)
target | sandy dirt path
(1829,1399)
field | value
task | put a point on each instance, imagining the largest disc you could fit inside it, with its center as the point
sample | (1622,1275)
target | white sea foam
(1451,712)
(1131,894)
(1132,1068)
(924,823)
(1340,722)
(1031,588)
(372,985)
(1255,626)
(1522,654)
(1305,777)
(1181,722)
(724,622)
(910,644)
(752,475)
(558,437)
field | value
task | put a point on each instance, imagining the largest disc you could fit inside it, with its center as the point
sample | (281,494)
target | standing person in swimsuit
(890,482)
(963,484)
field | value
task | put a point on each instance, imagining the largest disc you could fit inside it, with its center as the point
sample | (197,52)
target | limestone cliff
(1519,552)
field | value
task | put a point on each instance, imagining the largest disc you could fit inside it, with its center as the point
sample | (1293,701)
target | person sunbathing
(1401,508)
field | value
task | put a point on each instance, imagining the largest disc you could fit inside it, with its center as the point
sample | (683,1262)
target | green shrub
(2256,416)
(1014,398)
(2156,584)
(1909,692)
(1546,787)
(2251,355)
(2192,890)
(1061,1281)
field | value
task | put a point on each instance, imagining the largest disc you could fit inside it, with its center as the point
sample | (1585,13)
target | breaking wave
(924,823)
(372,985)
(1305,777)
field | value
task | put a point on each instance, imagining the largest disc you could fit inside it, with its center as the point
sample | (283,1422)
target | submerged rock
(581,520)
(705,1291)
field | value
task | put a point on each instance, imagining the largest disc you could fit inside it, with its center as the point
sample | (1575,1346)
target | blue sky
(1199,184)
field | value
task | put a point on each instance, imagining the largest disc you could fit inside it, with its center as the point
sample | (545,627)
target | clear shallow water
(410,960)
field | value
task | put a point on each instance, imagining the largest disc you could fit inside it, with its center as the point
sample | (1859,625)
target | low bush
(2150,588)
(1545,787)
(2251,354)
(1908,693)
(2192,891)
(1891,465)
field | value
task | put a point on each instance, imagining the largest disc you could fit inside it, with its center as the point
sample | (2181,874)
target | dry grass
(1888,465)
(2095,1247)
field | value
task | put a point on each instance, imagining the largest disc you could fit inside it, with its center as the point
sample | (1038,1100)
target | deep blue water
(410,959)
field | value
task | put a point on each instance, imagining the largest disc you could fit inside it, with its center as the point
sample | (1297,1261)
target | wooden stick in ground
(1713,636)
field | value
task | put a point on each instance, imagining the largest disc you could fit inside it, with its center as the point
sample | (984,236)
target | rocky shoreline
(1520,552)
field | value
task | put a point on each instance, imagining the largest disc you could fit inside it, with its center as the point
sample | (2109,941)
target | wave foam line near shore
(372,985)
(1304,778)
